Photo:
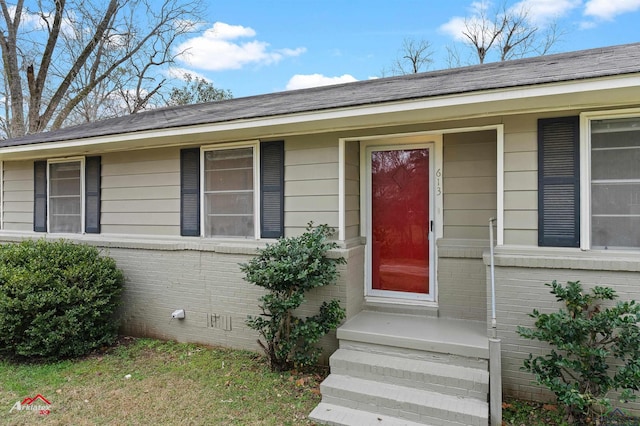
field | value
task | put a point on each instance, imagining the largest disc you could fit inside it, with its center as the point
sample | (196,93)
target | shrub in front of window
(57,299)
(287,270)
(586,340)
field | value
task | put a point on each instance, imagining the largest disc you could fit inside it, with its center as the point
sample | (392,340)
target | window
(67,195)
(238,194)
(229,192)
(615,183)
(589,181)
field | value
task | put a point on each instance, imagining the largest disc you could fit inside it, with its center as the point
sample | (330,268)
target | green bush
(288,269)
(57,299)
(585,337)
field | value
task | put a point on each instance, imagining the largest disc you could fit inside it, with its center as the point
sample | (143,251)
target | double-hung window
(229,192)
(67,195)
(614,181)
(589,181)
(233,191)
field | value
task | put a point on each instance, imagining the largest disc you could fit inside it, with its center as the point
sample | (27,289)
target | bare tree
(415,56)
(508,32)
(482,31)
(521,37)
(69,53)
(6,117)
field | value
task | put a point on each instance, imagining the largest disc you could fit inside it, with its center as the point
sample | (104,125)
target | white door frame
(434,143)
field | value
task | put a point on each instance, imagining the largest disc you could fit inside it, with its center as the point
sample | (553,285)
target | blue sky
(257,46)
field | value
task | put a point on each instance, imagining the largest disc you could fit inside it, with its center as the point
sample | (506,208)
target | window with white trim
(232,191)
(615,183)
(229,192)
(67,195)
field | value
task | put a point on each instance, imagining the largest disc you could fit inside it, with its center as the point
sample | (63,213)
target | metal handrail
(494,322)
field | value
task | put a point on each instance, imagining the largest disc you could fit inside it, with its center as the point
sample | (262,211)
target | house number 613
(438,186)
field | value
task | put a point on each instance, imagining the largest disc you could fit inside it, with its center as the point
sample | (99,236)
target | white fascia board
(489,96)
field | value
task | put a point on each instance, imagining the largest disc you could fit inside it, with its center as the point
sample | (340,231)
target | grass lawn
(169,383)
(526,413)
(516,412)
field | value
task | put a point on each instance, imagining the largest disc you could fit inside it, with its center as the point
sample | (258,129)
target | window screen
(65,197)
(615,183)
(229,193)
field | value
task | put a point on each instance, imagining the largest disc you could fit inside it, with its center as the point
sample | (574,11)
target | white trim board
(436,102)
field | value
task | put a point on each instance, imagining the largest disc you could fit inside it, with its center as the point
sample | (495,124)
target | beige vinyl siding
(18,196)
(352,190)
(521,177)
(141,192)
(521,181)
(469,184)
(311,182)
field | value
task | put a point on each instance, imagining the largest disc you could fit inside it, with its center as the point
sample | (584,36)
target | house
(409,170)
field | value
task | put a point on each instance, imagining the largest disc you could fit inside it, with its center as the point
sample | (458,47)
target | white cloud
(544,11)
(229,32)
(303,81)
(38,21)
(454,27)
(608,9)
(218,49)
(478,7)
(540,12)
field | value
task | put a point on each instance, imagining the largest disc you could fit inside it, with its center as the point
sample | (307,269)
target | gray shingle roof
(580,65)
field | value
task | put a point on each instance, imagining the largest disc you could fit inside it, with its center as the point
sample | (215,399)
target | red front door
(400,221)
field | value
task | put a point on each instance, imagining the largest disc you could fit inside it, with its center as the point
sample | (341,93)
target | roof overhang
(618,91)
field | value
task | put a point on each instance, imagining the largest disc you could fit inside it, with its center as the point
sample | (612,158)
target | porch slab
(423,333)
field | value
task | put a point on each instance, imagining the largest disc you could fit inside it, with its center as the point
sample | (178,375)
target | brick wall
(462,291)
(210,287)
(205,280)
(520,278)
(205,284)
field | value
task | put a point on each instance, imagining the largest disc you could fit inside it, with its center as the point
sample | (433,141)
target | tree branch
(8,45)
(75,68)
(37,88)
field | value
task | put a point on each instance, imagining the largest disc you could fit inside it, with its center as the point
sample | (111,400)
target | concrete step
(409,369)
(420,374)
(420,333)
(331,414)
(408,353)
(401,402)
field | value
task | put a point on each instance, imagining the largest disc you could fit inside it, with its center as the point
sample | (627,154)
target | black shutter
(272,189)
(559,182)
(40,196)
(190,192)
(92,179)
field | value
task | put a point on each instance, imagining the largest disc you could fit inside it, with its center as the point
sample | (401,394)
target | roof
(563,67)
